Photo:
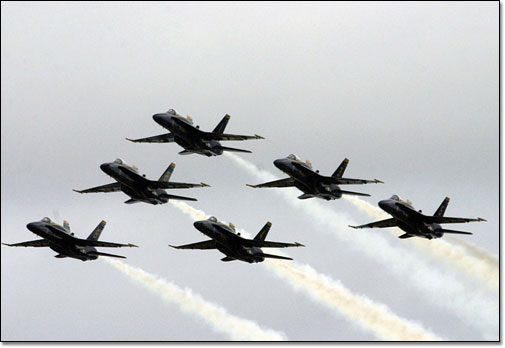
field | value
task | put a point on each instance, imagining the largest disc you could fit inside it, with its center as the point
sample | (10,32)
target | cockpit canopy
(213,219)
(118,161)
(294,157)
(395,198)
(46,219)
(172,112)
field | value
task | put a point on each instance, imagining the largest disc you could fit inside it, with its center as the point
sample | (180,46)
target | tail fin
(441,210)
(262,234)
(222,125)
(97,231)
(341,168)
(167,173)
(66,225)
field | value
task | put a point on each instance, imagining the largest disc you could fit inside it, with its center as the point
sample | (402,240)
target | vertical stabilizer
(341,168)
(262,234)
(66,225)
(167,173)
(441,210)
(222,125)
(97,231)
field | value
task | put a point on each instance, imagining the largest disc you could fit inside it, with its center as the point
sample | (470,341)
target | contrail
(476,310)
(217,317)
(321,288)
(480,265)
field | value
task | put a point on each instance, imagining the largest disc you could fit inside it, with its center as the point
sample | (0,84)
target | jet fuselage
(228,242)
(306,183)
(60,240)
(187,135)
(133,184)
(408,219)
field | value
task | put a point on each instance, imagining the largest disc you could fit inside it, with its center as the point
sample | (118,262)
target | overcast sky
(407,91)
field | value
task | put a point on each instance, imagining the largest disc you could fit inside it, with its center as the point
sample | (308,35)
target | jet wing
(114,187)
(288,182)
(381,224)
(224,136)
(174,185)
(449,220)
(162,138)
(207,244)
(346,181)
(32,243)
(97,243)
(267,244)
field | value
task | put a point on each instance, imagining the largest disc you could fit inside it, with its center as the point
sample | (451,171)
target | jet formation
(60,239)
(191,138)
(310,182)
(414,223)
(225,239)
(138,187)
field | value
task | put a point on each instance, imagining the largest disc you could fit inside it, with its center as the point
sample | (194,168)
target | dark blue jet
(229,242)
(413,222)
(60,239)
(191,138)
(303,177)
(138,187)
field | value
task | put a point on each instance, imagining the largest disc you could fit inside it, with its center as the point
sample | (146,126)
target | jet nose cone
(199,225)
(161,118)
(384,205)
(105,167)
(32,226)
(279,163)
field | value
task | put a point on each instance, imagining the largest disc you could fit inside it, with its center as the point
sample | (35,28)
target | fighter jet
(413,222)
(60,239)
(191,138)
(303,177)
(229,242)
(138,187)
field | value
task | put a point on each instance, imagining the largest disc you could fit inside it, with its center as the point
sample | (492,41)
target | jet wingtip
(204,184)
(78,191)
(173,246)
(481,219)
(259,136)
(377,181)
(253,186)
(355,227)
(132,245)
(299,244)
(7,244)
(132,140)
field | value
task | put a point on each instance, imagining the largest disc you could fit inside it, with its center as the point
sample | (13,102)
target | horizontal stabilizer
(181,198)
(354,193)
(305,196)
(231,149)
(270,256)
(443,230)
(132,201)
(98,253)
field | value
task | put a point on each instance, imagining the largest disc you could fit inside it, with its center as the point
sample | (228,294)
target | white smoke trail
(368,314)
(218,318)
(481,265)
(476,310)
